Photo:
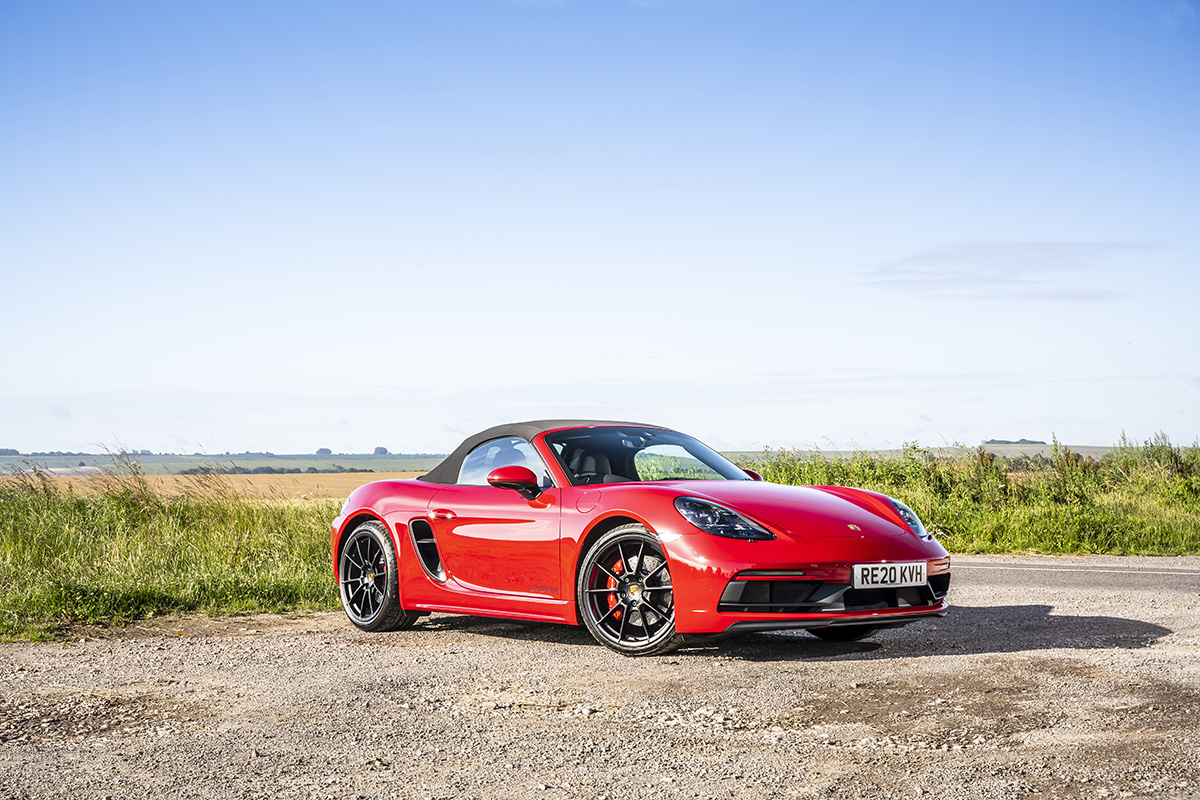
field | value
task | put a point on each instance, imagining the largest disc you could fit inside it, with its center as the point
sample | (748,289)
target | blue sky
(287,225)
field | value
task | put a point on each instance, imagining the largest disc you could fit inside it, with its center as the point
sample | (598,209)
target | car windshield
(632,454)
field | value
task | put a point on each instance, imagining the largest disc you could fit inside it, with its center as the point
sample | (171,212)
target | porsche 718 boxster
(642,534)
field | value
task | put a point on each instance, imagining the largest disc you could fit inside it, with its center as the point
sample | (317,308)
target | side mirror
(753,475)
(519,479)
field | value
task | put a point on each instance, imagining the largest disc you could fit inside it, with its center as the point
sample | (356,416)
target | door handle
(442,513)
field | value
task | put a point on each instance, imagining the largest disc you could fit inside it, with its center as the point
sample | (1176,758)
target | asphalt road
(1162,575)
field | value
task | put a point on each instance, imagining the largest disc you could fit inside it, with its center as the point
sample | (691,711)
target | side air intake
(426,547)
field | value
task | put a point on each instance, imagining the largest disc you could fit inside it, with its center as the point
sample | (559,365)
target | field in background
(307,464)
(1004,451)
(176,464)
(120,547)
(305,486)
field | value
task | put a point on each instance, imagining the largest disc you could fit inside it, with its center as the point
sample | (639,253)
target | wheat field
(304,486)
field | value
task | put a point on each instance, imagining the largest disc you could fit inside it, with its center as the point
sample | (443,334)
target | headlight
(910,519)
(719,521)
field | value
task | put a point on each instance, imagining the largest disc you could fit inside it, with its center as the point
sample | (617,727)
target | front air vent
(427,550)
(773,597)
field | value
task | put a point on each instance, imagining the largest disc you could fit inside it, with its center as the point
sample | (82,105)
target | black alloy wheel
(369,580)
(844,633)
(625,595)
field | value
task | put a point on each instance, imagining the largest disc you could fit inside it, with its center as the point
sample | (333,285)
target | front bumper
(724,586)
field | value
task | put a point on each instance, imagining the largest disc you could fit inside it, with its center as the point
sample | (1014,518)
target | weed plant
(1137,500)
(125,552)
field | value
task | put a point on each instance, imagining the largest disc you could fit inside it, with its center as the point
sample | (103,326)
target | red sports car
(643,534)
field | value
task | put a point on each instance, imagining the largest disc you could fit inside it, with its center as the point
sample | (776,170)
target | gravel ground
(1052,691)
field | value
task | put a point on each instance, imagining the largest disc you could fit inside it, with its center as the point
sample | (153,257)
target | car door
(497,540)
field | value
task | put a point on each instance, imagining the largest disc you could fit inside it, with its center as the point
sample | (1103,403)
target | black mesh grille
(778,597)
(863,599)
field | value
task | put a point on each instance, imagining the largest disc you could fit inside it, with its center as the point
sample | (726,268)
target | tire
(625,594)
(369,582)
(845,633)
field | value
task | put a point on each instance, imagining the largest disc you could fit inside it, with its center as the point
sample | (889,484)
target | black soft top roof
(447,471)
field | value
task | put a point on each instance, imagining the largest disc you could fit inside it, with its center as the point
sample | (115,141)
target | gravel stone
(1061,692)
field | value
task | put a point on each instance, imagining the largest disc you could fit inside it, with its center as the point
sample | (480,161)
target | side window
(501,453)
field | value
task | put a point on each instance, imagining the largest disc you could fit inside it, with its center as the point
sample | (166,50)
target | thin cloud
(1054,271)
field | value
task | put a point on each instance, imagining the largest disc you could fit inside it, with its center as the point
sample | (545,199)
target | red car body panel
(507,555)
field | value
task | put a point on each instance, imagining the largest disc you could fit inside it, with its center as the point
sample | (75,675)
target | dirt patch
(58,715)
(193,625)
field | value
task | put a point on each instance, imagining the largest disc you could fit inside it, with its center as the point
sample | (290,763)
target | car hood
(827,511)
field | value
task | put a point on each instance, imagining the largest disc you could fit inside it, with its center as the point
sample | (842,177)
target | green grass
(127,553)
(1136,500)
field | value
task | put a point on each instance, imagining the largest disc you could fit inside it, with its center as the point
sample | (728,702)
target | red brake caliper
(617,569)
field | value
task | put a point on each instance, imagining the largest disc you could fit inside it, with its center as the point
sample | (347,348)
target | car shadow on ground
(517,630)
(966,630)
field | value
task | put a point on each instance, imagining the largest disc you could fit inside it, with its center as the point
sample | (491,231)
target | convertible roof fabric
(447,471)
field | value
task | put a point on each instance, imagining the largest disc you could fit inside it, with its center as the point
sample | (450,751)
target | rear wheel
(625,594)
(369,580)
(845,633)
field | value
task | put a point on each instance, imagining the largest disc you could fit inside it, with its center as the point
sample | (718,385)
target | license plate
(888,576)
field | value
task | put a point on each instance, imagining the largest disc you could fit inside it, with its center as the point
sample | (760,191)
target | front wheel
(625,595)
(369,580)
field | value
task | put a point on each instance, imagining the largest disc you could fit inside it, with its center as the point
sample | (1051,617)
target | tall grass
(125,552)
(1139,499)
